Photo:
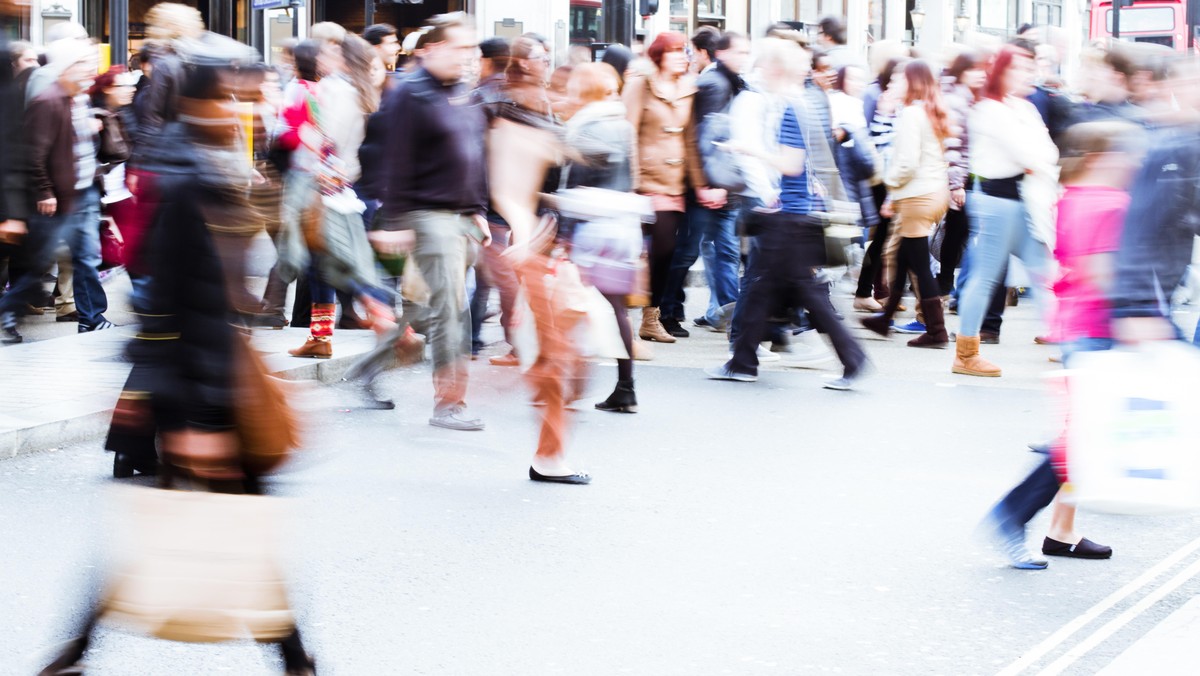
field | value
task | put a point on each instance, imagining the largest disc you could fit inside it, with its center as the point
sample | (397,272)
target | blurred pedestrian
(919,196)
(1008,206)
(437,196)
(601,144)
(659,107)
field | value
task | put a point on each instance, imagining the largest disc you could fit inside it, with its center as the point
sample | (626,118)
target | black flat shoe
(1086,549)
(579,479)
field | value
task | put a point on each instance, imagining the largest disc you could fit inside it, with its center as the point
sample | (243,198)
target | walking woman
(1014,163)
(919,196)
(601,143)
(880,114)
(659,106)
(332,119)
(962,86)
(523,150)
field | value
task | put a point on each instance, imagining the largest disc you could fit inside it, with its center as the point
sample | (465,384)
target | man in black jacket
(436,197)
(710,229)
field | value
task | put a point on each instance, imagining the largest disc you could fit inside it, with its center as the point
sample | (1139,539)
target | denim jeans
(80,229)
(999,229)
(711,233)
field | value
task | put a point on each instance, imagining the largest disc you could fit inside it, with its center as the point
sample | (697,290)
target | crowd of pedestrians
(404,184)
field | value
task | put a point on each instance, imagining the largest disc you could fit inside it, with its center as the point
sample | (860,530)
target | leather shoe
(578,478)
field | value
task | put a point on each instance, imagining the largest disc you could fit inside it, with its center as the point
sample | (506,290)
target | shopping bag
(599,336)
(112,244)
(1133,429)
(197,567)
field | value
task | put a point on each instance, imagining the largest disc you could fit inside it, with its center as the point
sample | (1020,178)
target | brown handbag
(114,148)
(266,425)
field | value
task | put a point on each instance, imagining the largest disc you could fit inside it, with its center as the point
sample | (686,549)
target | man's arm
(41,122)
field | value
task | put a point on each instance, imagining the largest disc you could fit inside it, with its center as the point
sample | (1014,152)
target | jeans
(790,246)
(1001,230)
(711,233)
(80,229)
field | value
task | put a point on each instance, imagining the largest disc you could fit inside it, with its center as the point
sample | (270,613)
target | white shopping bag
(1133,431)
(599,336)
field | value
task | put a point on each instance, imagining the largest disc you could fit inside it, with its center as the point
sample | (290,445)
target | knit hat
(63,54)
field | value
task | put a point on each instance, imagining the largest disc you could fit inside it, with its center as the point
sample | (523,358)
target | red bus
(587,24)
(1165,22)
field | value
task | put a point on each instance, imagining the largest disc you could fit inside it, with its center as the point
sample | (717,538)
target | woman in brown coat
(659,106)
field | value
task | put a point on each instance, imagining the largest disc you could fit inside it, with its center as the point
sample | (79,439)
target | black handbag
(114,147)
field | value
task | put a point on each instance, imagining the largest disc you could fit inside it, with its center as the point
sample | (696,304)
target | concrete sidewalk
(61,391)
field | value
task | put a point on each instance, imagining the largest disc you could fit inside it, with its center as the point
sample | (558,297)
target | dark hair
(618,56)
(839,83)
(1025,28)
(705,40)
(968,60)
(727,39)
(663,43)
(834,28)
(305,54)
(495,48)
(1024,43)
(375,33)
(885,76)
(103,81)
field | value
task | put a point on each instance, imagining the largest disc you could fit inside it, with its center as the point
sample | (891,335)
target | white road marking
(1165,647)
(1120,621)
(1057,638)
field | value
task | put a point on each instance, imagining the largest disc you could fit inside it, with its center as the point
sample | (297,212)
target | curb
(93,414)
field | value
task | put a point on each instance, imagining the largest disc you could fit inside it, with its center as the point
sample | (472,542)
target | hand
(958,198)
(11,231)
(131,182)
(711,198)
(97,125)
(887,210)
(1134,330)
(485,238)
(839,135)
(48,206)
(392,242)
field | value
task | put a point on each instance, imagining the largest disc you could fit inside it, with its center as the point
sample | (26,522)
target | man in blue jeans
(60,136)
(710,232)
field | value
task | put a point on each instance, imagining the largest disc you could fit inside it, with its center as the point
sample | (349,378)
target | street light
(962,21)
(918,19)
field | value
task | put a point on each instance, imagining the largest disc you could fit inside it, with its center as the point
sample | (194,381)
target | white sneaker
(803,356)
(764,355)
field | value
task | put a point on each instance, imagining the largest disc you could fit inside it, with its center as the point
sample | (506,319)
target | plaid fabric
(85,143)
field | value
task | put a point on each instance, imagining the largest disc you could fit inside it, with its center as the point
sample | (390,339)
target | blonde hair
(327,31)
(168,21)
(592,82)
(1088,138)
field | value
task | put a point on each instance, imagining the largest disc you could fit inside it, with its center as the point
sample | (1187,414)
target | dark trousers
(662,233)
(913,256)
(871,276)
(789,247)
(953,246)
(624,366)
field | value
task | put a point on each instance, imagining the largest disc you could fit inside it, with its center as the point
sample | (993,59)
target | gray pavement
(732,528)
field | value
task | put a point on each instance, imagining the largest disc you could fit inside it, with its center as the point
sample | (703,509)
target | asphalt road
(731,528)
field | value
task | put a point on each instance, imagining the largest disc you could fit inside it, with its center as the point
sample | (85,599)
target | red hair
(922,87)
(106,79)
(994,89)
(668,41)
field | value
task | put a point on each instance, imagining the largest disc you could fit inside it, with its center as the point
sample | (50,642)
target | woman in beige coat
(659,106)
(919,194)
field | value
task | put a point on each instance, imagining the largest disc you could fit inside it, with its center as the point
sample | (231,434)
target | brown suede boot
(968,362)
(652,328)
(320,340)
(935,335)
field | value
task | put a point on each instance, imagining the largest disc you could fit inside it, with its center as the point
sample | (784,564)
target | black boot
(622,400)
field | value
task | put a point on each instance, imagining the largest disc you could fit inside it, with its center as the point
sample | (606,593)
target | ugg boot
(968,362)
(652,328)
(935,326)
(622,400)
(320,340)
